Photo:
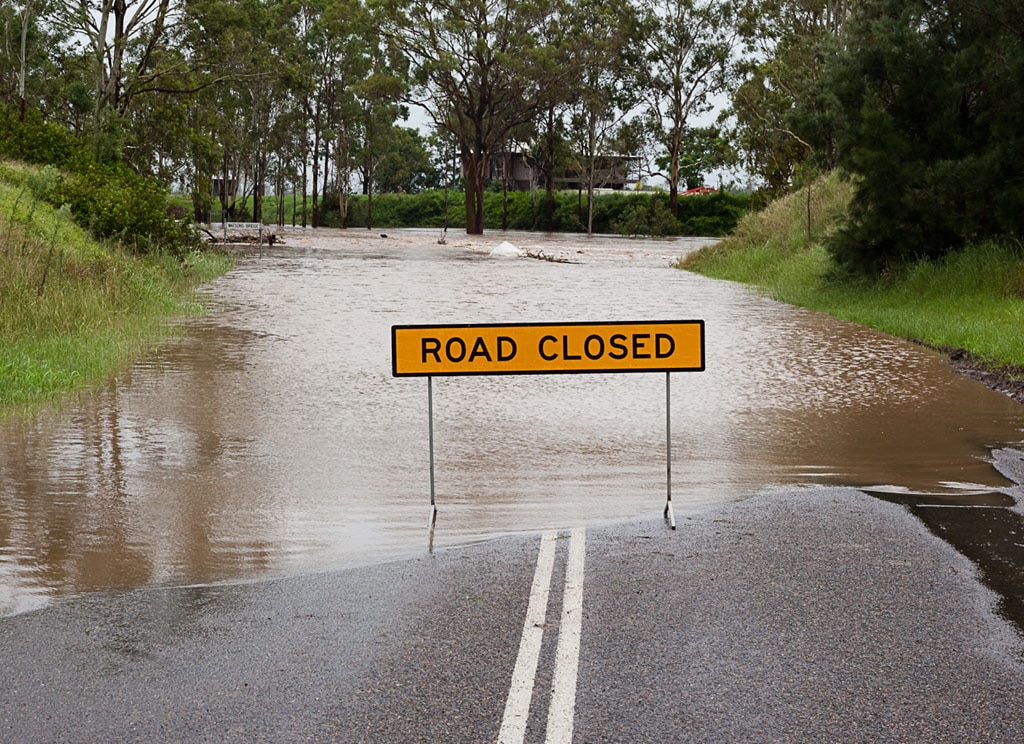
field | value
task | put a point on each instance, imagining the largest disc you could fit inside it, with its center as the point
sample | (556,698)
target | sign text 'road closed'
(544,348)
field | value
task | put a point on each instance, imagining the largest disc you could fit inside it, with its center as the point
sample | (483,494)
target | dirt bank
(1007,380)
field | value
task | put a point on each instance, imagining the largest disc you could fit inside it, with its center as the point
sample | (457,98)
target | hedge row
(626,213)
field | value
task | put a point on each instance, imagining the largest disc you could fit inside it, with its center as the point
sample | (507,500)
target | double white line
(563,691)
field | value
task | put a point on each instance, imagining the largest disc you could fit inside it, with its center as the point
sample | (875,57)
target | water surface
(270,437)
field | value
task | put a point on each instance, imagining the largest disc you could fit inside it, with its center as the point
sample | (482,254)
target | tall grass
(73,310)
(971,300)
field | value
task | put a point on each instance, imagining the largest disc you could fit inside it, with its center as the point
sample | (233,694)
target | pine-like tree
(924,105)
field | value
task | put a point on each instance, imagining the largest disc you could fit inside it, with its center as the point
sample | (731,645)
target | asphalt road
(817,615)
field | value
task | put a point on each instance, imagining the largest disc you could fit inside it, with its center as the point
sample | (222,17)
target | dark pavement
(812,615)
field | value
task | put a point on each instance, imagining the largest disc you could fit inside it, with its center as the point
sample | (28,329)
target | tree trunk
(469,173)
(327,174)
(26,12)
(342,174)
(316,165)
(305,174)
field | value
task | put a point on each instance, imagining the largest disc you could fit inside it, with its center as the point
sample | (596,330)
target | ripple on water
(270,437)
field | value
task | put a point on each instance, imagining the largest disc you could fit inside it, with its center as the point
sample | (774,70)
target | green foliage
(406,166)
(620,212)
(790,39)
(115,203)
(646,216)
(36,141)
(923,107)
(72,310)
(425,209)
(110,200)
(972,299)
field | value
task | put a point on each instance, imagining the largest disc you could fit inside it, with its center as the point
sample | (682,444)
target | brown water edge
(987,528)
(1007,380)
(271,439)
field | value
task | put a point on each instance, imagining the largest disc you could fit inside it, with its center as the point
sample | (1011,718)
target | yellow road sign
(545,348)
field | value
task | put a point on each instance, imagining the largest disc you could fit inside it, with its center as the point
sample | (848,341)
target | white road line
(563,689)
(517,707)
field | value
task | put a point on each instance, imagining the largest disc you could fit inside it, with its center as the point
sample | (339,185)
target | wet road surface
(820,614)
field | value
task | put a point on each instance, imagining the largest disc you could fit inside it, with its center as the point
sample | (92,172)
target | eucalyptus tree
(374,85)
(123,39)
(477,68)
(788,42)
(332,55)
(24,41)
(225,106)
(546,137)
(406,165)
(377,97)
(688,48)
(311,59)
(605,75)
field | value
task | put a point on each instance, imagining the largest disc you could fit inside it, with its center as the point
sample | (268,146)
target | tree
(688,46)
(477,69)
(30,60)
(603,77)
(788,41)
(923,107)
(378,113)
(24,25)
(704,149)
(377,96)
(123,39)
(407,166)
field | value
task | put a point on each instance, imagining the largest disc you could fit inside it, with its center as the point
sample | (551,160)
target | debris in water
(541,255)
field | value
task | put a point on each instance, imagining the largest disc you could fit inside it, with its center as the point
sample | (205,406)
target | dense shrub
(425,209)
(108,199)
(649,216)
(115,203)
(34,141)
(922,106)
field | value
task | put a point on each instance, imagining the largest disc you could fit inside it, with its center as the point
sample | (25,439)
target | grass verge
(970,304)
(72,310)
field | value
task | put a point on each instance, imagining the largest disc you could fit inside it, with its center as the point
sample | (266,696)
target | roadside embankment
(969,304)
(74,310)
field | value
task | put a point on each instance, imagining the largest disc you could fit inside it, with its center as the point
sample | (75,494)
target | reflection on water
(270,437)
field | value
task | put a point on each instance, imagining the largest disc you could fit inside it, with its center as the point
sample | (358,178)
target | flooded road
(271,438)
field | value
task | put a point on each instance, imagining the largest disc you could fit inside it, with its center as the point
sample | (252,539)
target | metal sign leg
(668,452)
(430,416)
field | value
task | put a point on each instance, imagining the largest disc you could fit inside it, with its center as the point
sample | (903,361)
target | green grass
(73,311)
(971,300)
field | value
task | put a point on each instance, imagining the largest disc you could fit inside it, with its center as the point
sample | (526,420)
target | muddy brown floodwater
(270,437)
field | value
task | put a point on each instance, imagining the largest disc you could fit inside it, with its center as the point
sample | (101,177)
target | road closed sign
(548,348)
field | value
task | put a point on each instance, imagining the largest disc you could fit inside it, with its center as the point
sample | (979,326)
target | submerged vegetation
(969,302)
(74,308)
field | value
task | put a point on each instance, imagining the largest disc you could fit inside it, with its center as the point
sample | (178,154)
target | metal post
(668,452)
(430,415)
